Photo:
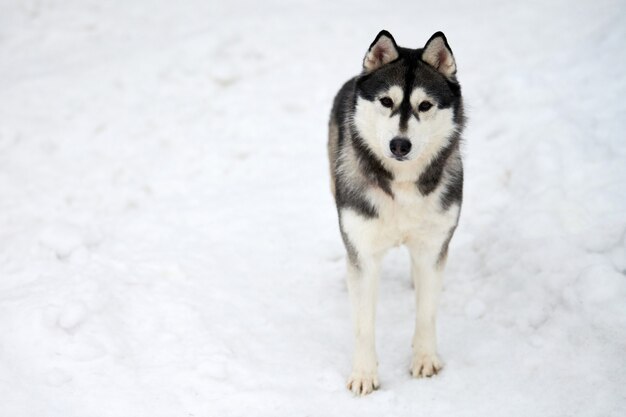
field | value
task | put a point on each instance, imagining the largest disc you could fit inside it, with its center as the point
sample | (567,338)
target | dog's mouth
(400,158)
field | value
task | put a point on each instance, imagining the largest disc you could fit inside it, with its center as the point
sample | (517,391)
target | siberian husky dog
(397,179)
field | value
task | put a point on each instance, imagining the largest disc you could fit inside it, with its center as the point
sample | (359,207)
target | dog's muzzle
(400,147)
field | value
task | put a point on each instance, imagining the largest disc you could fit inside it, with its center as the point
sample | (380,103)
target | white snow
(169,245)
(62,239)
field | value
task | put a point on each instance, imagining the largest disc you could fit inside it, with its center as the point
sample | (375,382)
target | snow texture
(169,245)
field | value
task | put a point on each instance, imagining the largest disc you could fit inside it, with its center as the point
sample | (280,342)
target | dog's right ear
(382,51)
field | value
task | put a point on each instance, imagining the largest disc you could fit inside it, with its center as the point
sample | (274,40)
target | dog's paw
(425,365)
(362,383)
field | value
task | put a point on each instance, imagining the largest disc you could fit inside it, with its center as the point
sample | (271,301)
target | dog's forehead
(372,85)
(408,76)
(433,83)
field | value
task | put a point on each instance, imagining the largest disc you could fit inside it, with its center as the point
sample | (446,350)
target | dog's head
(408,100)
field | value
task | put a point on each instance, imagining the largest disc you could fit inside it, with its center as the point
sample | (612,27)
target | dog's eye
(424,106)
(387,102)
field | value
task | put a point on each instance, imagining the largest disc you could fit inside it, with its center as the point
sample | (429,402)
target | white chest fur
(407,218)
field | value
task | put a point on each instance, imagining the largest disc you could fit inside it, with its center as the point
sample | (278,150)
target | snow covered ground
(168,241)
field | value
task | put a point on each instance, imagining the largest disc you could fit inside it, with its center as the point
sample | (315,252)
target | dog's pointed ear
(382,51)
(437,53)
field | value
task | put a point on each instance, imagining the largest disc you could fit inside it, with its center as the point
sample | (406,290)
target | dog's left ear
(382,51)
(437,53)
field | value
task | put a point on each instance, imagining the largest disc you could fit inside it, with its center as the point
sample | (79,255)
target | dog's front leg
(427,271)
(363,289)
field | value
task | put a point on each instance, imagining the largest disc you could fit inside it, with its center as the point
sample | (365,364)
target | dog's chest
(409,215)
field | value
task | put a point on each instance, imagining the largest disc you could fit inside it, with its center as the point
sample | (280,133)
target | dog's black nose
(400,147)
